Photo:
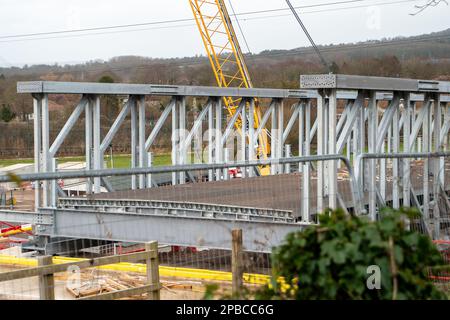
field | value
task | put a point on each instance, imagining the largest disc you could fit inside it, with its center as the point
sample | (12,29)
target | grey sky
(370,21)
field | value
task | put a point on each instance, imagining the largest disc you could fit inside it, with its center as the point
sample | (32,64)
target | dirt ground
(28,288)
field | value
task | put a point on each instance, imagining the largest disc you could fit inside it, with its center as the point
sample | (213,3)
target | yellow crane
(227,61)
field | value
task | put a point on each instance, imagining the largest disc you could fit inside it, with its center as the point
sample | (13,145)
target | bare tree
(428,4)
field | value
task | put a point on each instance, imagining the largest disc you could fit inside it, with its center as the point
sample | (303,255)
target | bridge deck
(282,192)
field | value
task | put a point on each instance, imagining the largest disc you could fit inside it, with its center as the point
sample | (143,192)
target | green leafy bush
(331,261)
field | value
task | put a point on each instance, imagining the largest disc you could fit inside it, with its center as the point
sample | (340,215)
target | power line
(239,26)
(335,9)
(305,30)
(182,20)
(301,51)
(193,24)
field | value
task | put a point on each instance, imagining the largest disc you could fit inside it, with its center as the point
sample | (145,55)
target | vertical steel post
(198,142)
(175,138)
(445,147)
(413,121)
(211,139)
(287,154)
(361,137)
(438,170)
(273,137)
(244,137)
(45,147)
(320,151)
(182,156)
(37,105)
(395,149)
(226,159)
(349,145)
(326,189)
(372,140)
(437,146)
(332,166)
(382,180)
(97,154)
(251,134)
(356,136)
(306,165)
(218,149)
(142,152)
(134,140)
(406,148)
(54,191)
(301,132)
(149,164)
(88,143)
(280,125)
(426,148)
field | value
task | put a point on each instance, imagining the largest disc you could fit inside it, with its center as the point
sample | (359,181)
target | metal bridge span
(344,118)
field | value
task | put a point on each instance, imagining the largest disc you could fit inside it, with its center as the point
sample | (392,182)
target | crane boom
(226,58)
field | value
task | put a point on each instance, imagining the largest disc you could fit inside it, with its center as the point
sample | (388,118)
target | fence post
(46,282)
(236,262)
(153,269)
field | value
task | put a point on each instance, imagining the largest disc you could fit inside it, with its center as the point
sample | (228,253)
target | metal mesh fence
(195,218)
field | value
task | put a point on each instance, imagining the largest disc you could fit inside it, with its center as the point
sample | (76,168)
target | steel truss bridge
(387,136)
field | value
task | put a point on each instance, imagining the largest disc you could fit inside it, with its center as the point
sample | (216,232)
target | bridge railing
(414,179)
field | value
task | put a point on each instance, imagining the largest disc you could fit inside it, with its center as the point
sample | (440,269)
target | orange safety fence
(442,275)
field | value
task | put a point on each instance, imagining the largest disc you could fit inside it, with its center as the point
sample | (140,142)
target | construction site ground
(172,288)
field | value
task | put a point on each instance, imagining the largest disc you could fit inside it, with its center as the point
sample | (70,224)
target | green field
(120,161)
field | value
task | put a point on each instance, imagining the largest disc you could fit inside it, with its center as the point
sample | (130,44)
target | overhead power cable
(292,53)
(239,26)
(305,30)
(153,23)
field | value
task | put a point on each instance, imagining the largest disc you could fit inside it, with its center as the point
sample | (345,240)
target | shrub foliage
(331,260)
